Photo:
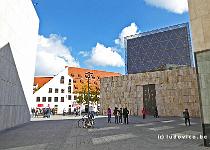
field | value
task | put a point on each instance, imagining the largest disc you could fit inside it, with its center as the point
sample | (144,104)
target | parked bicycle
(87,121)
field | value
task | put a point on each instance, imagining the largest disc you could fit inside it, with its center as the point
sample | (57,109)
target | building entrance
(149,98)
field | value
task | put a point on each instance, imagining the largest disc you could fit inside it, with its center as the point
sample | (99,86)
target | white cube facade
(19,26)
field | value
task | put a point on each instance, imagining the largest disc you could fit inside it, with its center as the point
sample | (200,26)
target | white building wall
(19,25)
(55,83)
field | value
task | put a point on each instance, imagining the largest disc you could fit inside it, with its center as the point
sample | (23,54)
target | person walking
(125,115)
(109,113)
(143,113)
(64,112)
(120,115)
(36,113)
(156,112)
(186,116)
(115,113)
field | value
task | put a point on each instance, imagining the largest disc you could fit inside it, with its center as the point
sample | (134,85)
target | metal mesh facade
(151,50)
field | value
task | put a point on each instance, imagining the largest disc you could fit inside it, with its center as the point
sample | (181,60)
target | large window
(43,99)
(49,99)
(56,90)
(62,80)
(69,89)
(62,91)
(55,99)
(50,90)
(69,97)
(38,99)
(62,99)
(75,97)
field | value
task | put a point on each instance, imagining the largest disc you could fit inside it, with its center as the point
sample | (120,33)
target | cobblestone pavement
(139,134)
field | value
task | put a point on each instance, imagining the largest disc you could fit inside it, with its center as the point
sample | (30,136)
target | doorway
(149,98)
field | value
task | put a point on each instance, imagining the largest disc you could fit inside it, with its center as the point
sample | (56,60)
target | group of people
(45,112)
(119,114)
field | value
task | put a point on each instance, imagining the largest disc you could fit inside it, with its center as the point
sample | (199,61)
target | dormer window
(72,74)
(62,80)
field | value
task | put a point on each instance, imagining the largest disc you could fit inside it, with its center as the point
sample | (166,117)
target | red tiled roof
(41,81)
(78,75)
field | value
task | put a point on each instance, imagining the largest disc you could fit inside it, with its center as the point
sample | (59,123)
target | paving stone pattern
(137,135)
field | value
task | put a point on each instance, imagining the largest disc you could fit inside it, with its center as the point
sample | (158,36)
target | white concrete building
(55,92)
(19,26)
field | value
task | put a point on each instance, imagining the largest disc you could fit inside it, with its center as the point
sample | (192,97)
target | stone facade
(200,25)
(176,90)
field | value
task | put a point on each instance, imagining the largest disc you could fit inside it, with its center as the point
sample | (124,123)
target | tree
(83,95)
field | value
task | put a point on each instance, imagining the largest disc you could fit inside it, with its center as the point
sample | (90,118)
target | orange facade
(80,80)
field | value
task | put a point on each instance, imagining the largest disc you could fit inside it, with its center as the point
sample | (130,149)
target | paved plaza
(63,134)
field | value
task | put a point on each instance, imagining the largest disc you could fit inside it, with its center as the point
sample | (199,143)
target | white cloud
(105,56)
(84,53)
(127,31)
(175,6)
(53,55)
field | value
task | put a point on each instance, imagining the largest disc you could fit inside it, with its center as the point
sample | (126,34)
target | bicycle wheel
(80,123)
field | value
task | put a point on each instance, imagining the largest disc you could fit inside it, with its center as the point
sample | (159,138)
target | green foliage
(83,95)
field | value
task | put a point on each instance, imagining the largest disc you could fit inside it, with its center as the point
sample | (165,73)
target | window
(69,105)
(43,99)
(79,75)
(75,87)
(72,74)
(69,89)
(49,99)
(62,80)
(69,81)
(38,99)
(81,81)
(50,90)
(56,90)
(69,97)
(74,81)
(62,91)
(62,99)
(98,77)
(55,99)
(93,77)
(75,97)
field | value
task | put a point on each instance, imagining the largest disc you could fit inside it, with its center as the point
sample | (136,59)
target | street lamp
(88,75)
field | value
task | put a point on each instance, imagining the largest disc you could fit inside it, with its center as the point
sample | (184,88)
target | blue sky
(70,30)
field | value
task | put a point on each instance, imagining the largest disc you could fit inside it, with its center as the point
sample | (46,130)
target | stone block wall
(176,90)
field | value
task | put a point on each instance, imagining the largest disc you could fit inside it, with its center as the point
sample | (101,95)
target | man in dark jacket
(125,115)
(186,117)
(120,115)
(115,113)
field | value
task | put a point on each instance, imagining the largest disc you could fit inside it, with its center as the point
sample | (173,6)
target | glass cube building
(151,50)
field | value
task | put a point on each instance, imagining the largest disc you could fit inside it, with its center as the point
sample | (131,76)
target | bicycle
(87,121)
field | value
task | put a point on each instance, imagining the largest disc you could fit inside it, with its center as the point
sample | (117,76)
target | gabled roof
(79,79)
(41,81)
